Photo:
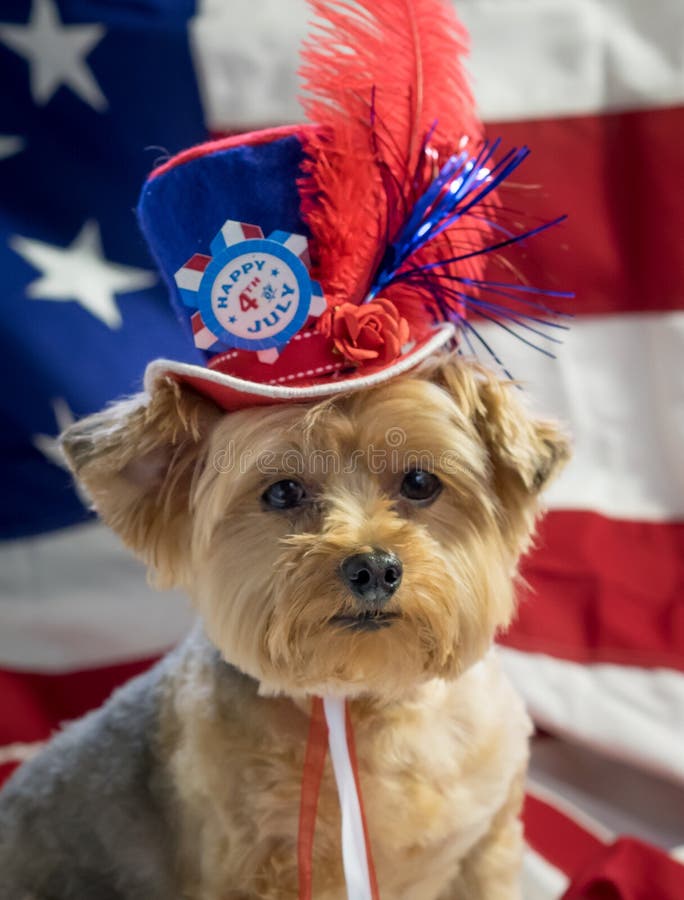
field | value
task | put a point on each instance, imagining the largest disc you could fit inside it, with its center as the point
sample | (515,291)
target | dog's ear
(526,452)
(137,459)
(535,449)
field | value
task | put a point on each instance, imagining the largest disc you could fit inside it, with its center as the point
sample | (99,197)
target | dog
(367,546)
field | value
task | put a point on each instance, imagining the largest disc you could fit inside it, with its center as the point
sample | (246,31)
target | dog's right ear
(138,459)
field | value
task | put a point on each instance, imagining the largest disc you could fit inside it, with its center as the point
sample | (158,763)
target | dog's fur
(185,786)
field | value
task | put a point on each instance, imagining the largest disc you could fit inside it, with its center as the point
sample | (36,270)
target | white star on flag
(81,273)
(49,444)
(10,144)
(51,447)
(56,54)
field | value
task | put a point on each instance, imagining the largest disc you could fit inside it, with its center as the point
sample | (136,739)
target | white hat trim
(161,367)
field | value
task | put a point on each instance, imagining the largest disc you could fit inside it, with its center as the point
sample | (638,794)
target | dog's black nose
(372,577)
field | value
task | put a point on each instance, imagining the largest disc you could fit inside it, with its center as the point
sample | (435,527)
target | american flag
(93,95)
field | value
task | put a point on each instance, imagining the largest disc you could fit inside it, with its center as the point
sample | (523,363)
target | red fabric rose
(373,332)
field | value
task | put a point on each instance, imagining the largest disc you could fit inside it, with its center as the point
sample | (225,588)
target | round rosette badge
(252,293)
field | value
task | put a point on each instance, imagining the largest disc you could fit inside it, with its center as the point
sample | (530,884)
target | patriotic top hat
(307,260)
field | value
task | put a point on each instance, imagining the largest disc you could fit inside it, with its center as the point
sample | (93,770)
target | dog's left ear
(525,451)
(534,449)
(138,459)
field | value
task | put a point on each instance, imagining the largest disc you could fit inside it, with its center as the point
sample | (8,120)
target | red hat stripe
(235,232)
(251,231)
(199,262)
(189,276)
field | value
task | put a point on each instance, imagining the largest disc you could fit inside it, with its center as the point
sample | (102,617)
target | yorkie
(363,546)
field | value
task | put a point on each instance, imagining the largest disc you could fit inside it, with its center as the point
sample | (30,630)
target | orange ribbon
(314,763)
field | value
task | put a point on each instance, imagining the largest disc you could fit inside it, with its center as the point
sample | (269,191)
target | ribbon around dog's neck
(331,727)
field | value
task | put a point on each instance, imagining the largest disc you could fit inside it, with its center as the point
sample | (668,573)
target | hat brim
(232,394)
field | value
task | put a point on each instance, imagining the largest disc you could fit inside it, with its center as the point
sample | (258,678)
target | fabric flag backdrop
(94,94)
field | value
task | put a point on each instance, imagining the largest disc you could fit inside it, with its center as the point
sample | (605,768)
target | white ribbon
(354,855)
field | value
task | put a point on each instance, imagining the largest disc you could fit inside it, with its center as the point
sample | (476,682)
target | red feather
(378,76)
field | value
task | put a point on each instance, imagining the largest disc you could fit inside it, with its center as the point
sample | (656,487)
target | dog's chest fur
(434,771)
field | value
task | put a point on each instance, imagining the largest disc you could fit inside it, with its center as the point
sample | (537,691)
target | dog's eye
(420,485)
(284,494)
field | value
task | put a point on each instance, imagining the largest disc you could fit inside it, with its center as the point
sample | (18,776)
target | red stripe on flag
(562,841)
(33,705)
(6,770)
(604,590)
(626,869)
(618,176)
(629,870)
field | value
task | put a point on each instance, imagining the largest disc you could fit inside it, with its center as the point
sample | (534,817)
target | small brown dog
(365,545)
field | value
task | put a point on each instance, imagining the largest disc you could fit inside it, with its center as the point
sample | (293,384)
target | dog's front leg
(491,870)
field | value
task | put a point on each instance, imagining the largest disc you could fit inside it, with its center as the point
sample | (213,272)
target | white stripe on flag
(624,712)
(77,598)
(530,58)
(541,880)
(246,58)
(19,753)
(534,59)
(615,383)
(353,841)
(604,796)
